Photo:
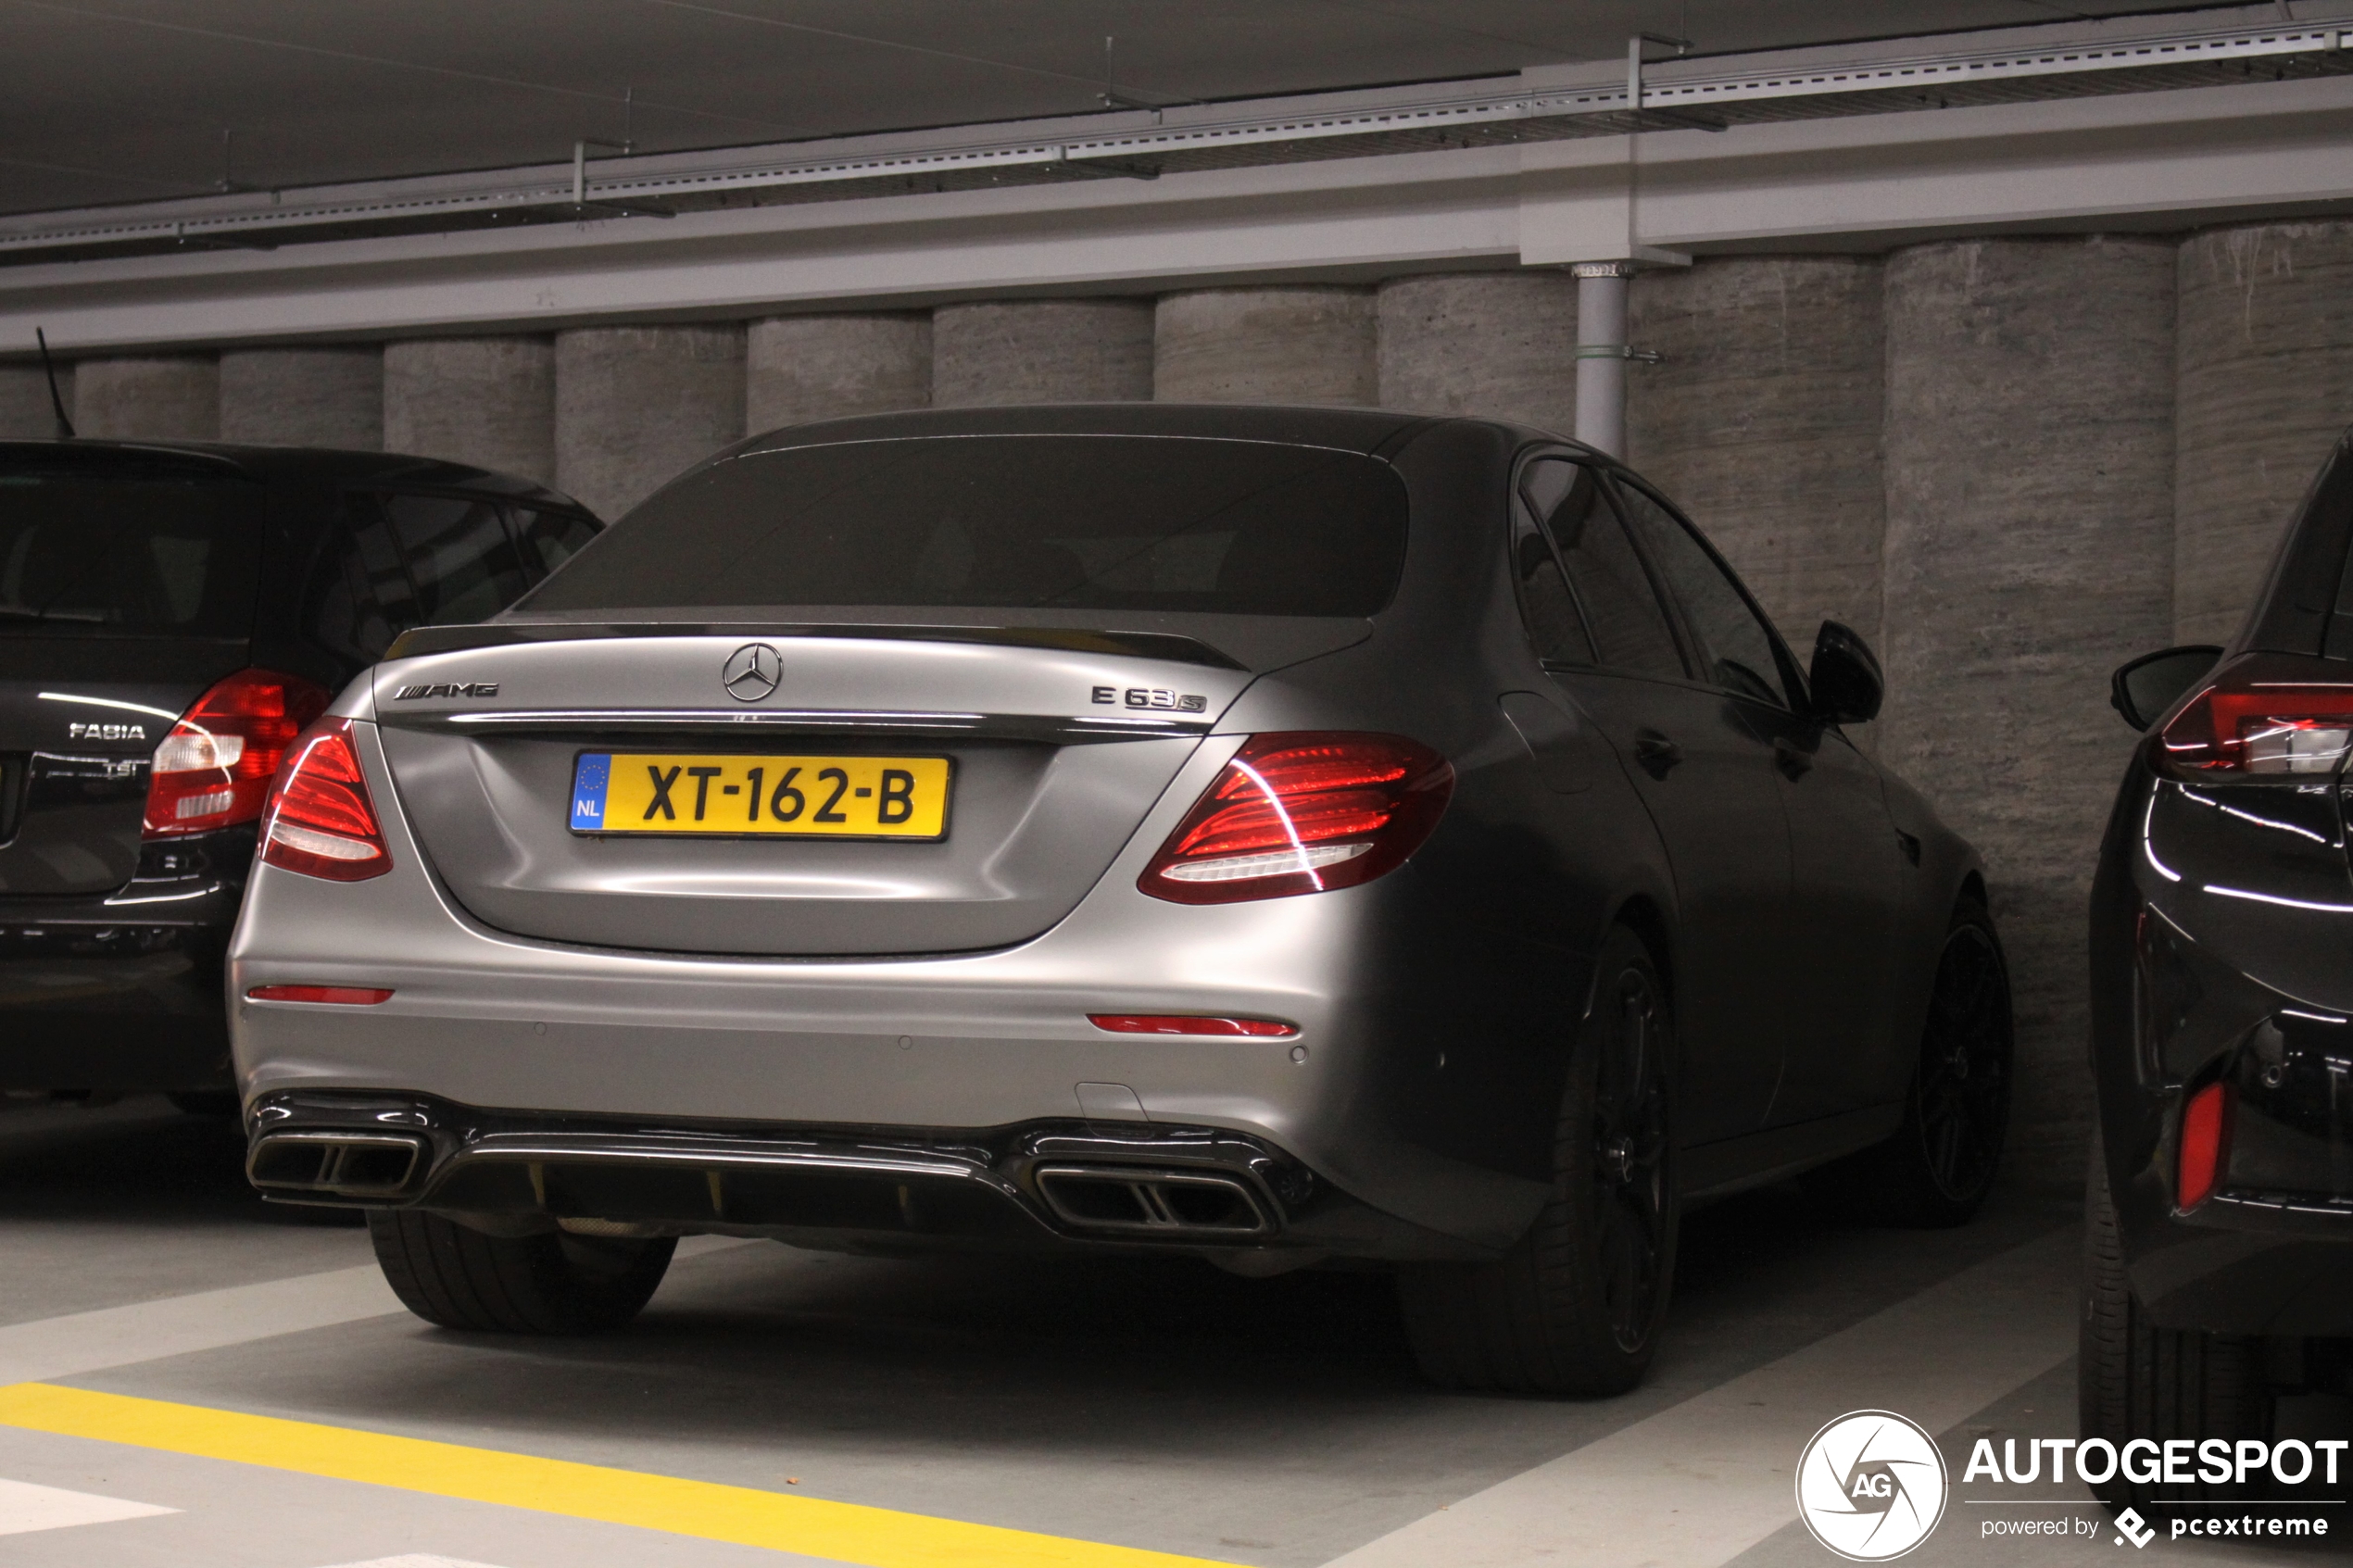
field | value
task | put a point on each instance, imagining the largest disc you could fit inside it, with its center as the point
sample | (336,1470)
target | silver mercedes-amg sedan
(1280,836)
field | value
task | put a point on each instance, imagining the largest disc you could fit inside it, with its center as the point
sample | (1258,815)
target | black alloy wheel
(1962,1097)
(1575,1307)
(1630,1161)
(1937,1169)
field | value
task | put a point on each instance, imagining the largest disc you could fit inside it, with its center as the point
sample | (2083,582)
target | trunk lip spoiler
(986,726)
(1166,646)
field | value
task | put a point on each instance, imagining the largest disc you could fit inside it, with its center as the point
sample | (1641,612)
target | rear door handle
(1791,757)
(1656,753)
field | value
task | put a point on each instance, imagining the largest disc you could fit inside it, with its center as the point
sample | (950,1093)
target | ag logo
(1870,1485)
(753,672)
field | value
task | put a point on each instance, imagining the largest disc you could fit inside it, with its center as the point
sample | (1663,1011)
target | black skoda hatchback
(2220,1207)
(171,617)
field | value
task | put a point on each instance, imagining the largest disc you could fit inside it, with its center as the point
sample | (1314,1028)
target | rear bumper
(2189,991)
(122,992)
(1042,1185)
(1423,1078)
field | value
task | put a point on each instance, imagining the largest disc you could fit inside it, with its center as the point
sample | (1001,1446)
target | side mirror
(1846,677)
(2155,682)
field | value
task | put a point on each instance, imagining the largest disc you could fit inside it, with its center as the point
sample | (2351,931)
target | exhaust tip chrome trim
(1126,1200)
(346,1164)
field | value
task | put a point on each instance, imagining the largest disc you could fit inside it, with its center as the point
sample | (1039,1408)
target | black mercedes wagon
(171,617)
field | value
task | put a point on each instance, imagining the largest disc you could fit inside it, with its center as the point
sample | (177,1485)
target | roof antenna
(57,404)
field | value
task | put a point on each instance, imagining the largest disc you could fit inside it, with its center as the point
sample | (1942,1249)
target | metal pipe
(1601,355)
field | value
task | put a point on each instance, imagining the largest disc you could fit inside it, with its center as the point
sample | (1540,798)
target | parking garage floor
(190,1377)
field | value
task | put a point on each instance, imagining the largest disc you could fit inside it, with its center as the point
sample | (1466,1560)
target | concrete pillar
(488,401)
(304,398)
(2030,549)
(638,406)
(168,397)
(25,411)
(1762,420)
(803,368)
(2266,386)
(1494,345)
(1041,351)
(1305,345)
(1602,288)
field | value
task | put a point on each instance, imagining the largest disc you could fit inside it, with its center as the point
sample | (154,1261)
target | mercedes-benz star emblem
(753,672)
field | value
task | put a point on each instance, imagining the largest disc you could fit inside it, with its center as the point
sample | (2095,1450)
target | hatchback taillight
(213,770)
(1302,813)
(2264,714)
(321,822)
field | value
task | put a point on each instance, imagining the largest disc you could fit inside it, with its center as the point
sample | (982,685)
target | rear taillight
(321,821)
(213,770)
(1302,813)
(2254,726)
(2205,1126)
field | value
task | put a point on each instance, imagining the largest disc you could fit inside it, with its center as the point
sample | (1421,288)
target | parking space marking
(1698,1483)
(874,1538)
(414,1559)
(177,1325)
(25,1508)
(212,1319)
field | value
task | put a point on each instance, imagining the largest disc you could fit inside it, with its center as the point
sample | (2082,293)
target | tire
(557,1283)
(1935,1172)
(1575,1308)
(2134,1379)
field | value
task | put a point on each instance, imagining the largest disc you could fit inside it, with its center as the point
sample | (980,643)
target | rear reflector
(321,823)
(2205,1125)
(1302,813)
(343,995)
(1185,1023)
(213,770)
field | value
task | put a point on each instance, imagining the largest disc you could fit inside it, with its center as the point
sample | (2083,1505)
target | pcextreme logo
(1870,1485)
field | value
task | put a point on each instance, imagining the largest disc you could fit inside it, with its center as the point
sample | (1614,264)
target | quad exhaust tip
(345,1164)
(1155,1203)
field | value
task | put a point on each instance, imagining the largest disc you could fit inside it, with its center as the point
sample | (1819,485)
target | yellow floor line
(878,1538)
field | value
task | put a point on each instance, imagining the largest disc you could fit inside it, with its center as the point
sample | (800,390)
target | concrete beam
(2154,160)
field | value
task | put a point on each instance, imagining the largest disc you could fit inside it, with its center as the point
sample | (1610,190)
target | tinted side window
(459,556)
(1622,610)
(360,598)
(549,539)
(1546,605)
(1736,648)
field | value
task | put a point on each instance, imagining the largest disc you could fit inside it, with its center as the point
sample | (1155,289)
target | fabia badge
(753,672)
(1870,1485)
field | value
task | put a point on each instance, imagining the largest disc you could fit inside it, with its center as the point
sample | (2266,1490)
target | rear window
(84,555)
(1050,522)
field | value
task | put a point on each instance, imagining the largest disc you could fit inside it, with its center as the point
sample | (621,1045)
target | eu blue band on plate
(588,791)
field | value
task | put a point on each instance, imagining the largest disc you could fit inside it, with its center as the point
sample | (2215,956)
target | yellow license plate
(841,796)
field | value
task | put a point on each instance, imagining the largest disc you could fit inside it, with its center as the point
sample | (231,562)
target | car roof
(266,465)
(1358,430)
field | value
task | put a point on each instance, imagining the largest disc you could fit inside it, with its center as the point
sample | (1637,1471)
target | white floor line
(177,1325)
(414,1559)
(25,1508)
(1697,1484)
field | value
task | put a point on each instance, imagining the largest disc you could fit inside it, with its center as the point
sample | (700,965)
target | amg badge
(448,688)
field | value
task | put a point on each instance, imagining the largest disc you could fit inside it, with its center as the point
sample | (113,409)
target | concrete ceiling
(130,100)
